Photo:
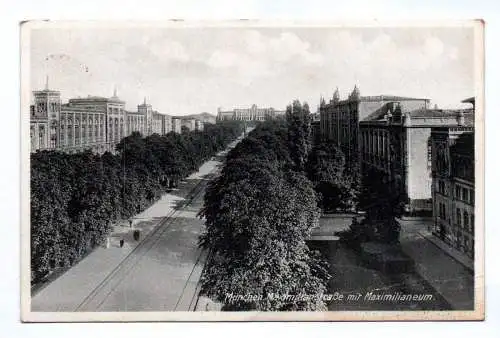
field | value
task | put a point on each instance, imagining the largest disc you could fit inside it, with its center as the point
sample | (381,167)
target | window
(465,194)
(466,220)
(459,217)
(457,192)
(441,187)
(442,211)
(471,197)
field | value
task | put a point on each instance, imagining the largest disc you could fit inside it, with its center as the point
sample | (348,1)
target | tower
(47,108)
(322,102)
(336,96)
(355,93)
(47,102)
(147,110)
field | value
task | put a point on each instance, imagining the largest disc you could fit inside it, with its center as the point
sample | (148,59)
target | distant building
(176,125)
(189,123)
(166,126)
(94,123)
(453,186)
(199,125)
(205,118)
(397,145)
(249,114)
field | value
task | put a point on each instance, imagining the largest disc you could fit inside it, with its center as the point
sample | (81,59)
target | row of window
(442,211)
(442,188)
(465,220)
(464,194)
(461,193)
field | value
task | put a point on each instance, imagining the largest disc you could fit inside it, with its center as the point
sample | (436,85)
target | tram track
(98,296)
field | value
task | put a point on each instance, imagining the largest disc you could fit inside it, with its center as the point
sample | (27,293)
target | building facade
(176,125)
(253,113)
(453,192)
(91,123)
(44,118)
(339,119)
(199,125)
(396,144)
(166,124)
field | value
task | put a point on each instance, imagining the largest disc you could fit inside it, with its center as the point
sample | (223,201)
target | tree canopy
(75,197)
(258,213)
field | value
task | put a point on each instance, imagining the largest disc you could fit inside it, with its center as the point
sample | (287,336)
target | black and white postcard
(252,171)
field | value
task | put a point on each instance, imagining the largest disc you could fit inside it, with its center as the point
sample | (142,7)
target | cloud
(191,70)
(223,59)
(170,50)
(263,56)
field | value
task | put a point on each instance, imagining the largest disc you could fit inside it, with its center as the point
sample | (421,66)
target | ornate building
(249,114)
(94,123)
(44,118)
(453,186)
(396,144)
(339,119)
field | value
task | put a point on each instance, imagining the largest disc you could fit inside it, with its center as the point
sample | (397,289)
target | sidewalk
(453,280)
(64,294)
(176,250)
(452,252)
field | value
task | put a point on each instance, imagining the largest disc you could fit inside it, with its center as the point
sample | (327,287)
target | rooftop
(380,114)
(382,98)
(96,99)
(438,113)
(391,98)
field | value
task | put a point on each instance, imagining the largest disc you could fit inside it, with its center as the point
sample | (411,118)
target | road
(160,273)
(436,273)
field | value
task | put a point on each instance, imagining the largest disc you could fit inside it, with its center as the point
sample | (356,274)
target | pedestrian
(121,243)
(130,223)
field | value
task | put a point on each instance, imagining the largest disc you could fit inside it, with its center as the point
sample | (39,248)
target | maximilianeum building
(453,192)
(94,123)
(396,144)
(253,113)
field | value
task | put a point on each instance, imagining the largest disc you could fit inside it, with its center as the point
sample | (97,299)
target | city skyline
(180,74)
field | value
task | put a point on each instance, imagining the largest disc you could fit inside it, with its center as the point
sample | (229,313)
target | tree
(299,132)
(326,169)
(76,197)
(258,214)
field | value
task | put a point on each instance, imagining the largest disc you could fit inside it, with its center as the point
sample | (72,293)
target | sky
(183,70)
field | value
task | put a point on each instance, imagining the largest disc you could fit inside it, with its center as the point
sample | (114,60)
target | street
(436,273)
(160,273)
